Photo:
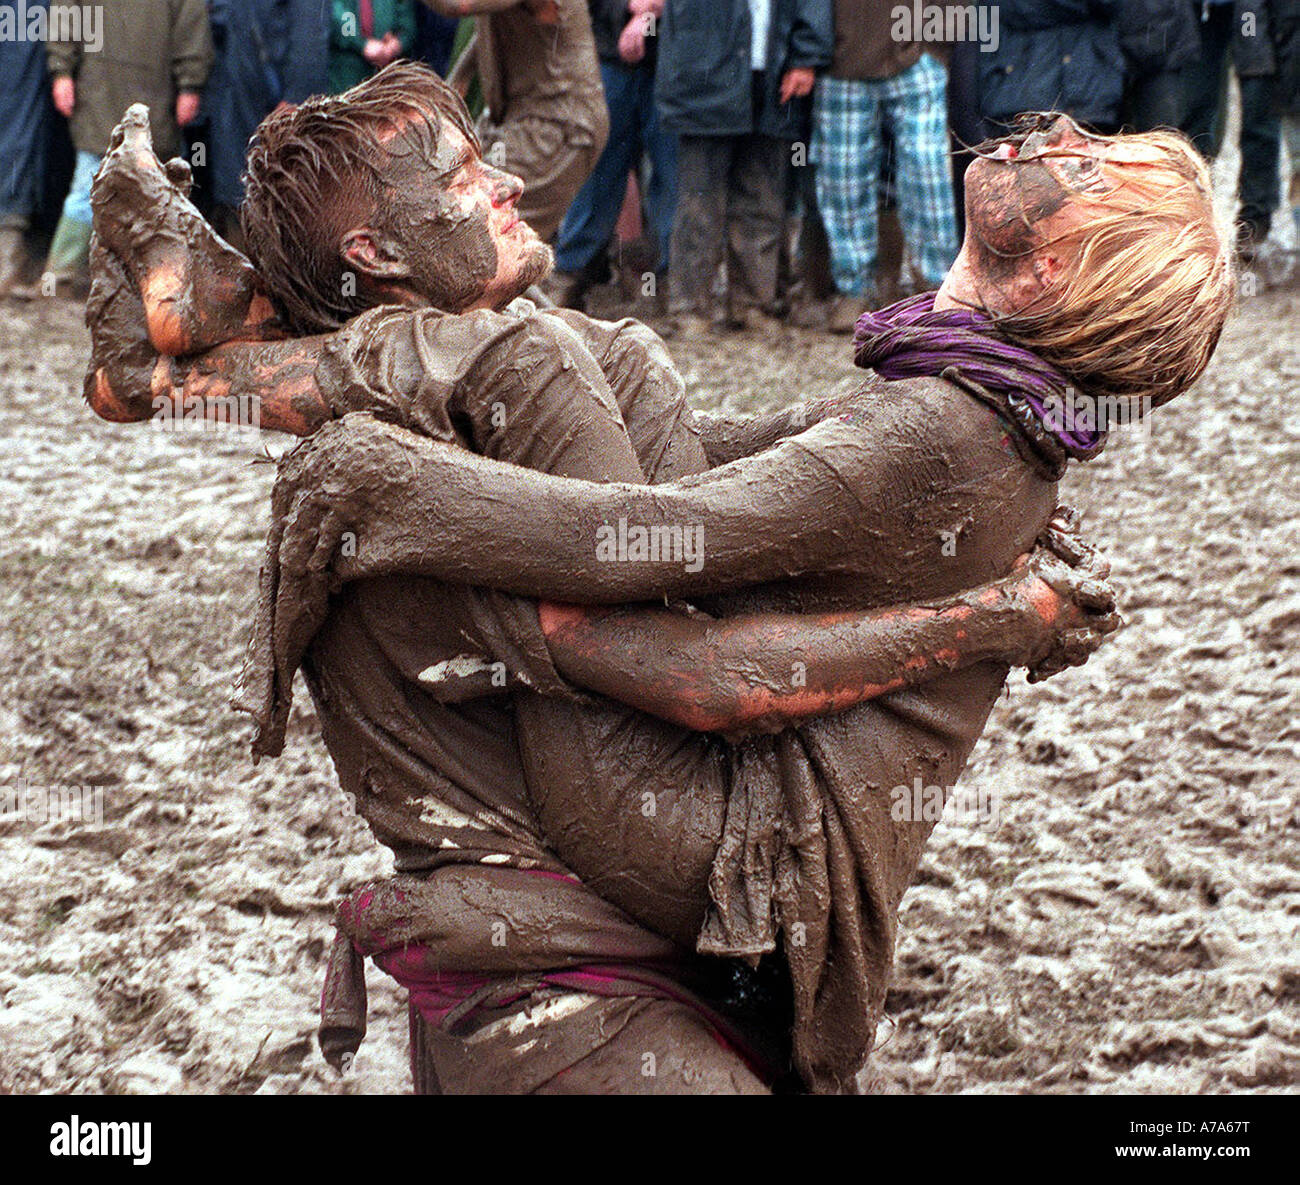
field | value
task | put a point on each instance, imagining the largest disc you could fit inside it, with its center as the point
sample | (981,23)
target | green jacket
(152,49)
(347,66)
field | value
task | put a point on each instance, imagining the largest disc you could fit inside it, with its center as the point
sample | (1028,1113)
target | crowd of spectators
(762,159)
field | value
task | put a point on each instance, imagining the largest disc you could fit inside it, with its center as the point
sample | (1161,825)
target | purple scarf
(909,340)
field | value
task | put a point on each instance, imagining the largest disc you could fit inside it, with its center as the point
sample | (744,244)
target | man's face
(453,216)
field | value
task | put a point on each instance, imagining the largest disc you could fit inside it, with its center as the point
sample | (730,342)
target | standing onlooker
(734,82)
(365,36)
(269,52)
(874,77)
(1284,19)
(627,69)
(1054,55)
(1237,30)
(544,118)
(156,52)
(24,132)
(435,36)
(1158,38)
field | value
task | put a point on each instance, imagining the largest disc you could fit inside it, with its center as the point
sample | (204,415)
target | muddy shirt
(412,676)
(855,512)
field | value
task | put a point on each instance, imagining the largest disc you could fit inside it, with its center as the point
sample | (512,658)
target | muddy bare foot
(119,382)
(197,291)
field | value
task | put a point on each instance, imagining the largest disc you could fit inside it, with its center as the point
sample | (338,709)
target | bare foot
(123,362)
(197,290)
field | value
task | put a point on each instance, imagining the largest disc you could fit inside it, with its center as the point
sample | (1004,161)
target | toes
(180,175)
(136,133)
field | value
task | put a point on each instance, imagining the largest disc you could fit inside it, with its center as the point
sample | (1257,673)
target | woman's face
(1024,192)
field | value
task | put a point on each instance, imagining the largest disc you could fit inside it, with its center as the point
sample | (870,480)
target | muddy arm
(764,672)
(729,437)
(421,507)
(271,385)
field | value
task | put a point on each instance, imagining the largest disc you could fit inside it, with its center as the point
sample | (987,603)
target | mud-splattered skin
(848,515)
(1019,202)
(452,216)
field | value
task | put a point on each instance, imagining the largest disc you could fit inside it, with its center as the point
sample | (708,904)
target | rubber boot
(66,262)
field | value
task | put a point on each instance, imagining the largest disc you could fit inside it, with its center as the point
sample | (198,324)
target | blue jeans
(633,130)
(76,206)
(24,129)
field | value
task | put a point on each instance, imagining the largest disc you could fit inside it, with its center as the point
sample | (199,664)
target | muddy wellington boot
(13,255)
(65,264)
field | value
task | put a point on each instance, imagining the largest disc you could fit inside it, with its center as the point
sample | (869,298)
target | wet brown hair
(316,171)
(1148,284)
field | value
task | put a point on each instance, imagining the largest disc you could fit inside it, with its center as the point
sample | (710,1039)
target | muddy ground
(1112,906)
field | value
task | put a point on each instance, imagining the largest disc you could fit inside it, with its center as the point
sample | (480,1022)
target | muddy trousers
(563,1042)
(730,192)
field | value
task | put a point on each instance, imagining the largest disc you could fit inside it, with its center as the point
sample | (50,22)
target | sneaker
(687,327)
(54,286)
(13,255)
(567,289)
(810,313)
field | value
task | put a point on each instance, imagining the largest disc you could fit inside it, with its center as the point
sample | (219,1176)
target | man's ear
(374,254)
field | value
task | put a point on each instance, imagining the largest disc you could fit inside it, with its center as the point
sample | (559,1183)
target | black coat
(1284,21)
(1055,55)
(1252,44)
(608,20)
(268,51)
(1158,35)
(704,85)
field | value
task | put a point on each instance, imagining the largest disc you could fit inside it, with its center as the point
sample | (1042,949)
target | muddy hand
(1067,580)
(197,290)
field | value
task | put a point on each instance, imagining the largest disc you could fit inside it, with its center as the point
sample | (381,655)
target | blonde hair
(1148,283)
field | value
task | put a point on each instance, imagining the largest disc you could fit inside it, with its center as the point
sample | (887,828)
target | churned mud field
(1110,903)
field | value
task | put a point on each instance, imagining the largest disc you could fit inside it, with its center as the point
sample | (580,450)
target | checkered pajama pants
(847,150)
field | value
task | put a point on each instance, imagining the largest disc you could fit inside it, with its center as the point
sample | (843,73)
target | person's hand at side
(797,82)
(187,107)
(631,42)
(65,96)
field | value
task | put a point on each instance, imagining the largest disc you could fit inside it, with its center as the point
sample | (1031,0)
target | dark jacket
(1252,44)
(1284,22)
(608,20)
(348,65)
(1055,55)
(865,46)
(152,50)
(25,114)
(704,85)
(1158,35)
(268,52)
